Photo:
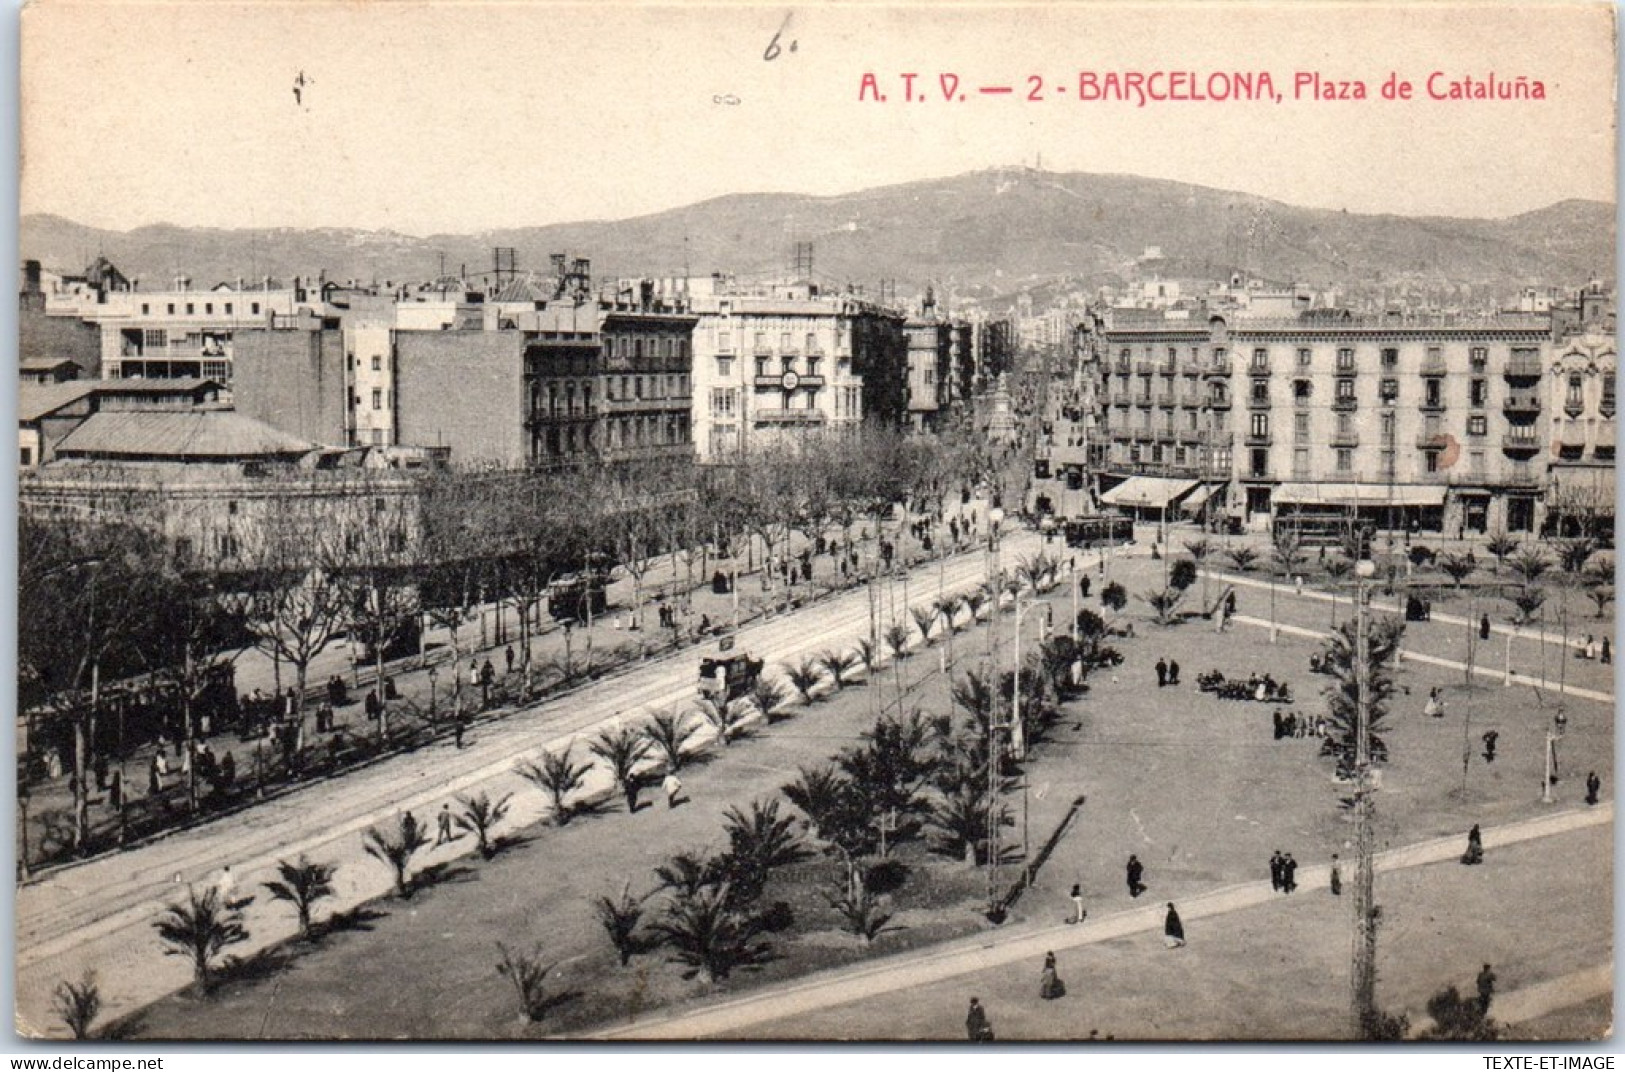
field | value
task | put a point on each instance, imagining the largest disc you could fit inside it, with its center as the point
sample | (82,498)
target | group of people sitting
(1292,724)
(1261,688)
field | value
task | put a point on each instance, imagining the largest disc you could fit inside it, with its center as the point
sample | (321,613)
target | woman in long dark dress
(1475,847)
(1173,930)
(1050,986)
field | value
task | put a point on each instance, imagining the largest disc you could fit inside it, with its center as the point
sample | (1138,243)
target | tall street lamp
(995,517)
(1364,975)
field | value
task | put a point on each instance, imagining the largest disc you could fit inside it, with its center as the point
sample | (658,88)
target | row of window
(787,341)
(191,308)
(632,347)
(1304,356)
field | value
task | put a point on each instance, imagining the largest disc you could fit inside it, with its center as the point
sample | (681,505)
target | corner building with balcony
(1430,423)
(774,362)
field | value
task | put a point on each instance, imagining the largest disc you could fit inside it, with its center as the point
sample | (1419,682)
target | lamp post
(1364,974)
(1018,729)
(995,517)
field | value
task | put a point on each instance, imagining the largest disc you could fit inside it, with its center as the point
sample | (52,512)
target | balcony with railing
(788,416)
(1518,443)
(1432,405)
(1345,405)
(1522,403)
(1142,400)
(1219,401)
(1145,366)
(1165,399)
(1258,401)
(1259,439)
(1346,439)
(1522,368)
(778,381)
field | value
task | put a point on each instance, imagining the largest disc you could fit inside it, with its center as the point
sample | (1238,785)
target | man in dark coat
(977,1029)
(1162,673)
(1486,989)
(1475,847)
(1173,672)
(1484,627)
(1593,786)
(1277,872)
(1135,872)
(1490,737)
(1289,874)
(1337,877)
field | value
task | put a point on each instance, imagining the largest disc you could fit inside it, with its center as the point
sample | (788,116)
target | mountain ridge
(981,233)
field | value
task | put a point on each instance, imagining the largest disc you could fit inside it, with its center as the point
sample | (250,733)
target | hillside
(983,233)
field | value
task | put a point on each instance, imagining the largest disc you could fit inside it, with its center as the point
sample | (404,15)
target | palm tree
(1458,566)
(479,815)
(1288,553)
(668,732)
(302,884)
(558,776)
(623,749)
(1502,545)
(975,600)
(1601,595)
(804,676)
(948,609)
(960,818)
(1242,558)
(1337,567)
(1528,601)
(1342,698)
(924,619)
(817,793)
(1164,603)
(759,840)
(767,695)
(200,928)
(838,664)
(868,655)
(860,911)
(709,935)
(686,873)
(896,638)
(1530,564)
(720,715)
(526,972)
(620,917)
(397,850)
(77,1004)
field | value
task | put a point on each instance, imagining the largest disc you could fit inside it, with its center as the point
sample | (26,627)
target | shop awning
(1360,494)
(1197,499)
(1155,492)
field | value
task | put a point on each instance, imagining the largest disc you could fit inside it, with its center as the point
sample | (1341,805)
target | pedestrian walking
(1162,673)
(225,884)
(508,655)
(1490,737)
(458,725)
(153,784)
(1593,785)
(99,769)
(1135,872)
(1486,989)
(1173,671)
(1337,877)
(1276,872)
(1083,587)
(1607,655)
(672,786)
(115,791)
(977,1028)
(1078,911)
(1173,930)
(443,821)
(1475,847)
(1289,874)
(1484,627)
(1050,986)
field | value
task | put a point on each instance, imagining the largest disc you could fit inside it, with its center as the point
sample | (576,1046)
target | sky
(467,116)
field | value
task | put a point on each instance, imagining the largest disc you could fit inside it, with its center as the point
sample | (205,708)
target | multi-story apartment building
(930,367)
(1582,398)
(773,361)
(1431,422)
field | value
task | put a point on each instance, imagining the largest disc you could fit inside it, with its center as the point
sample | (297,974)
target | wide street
(98,915)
